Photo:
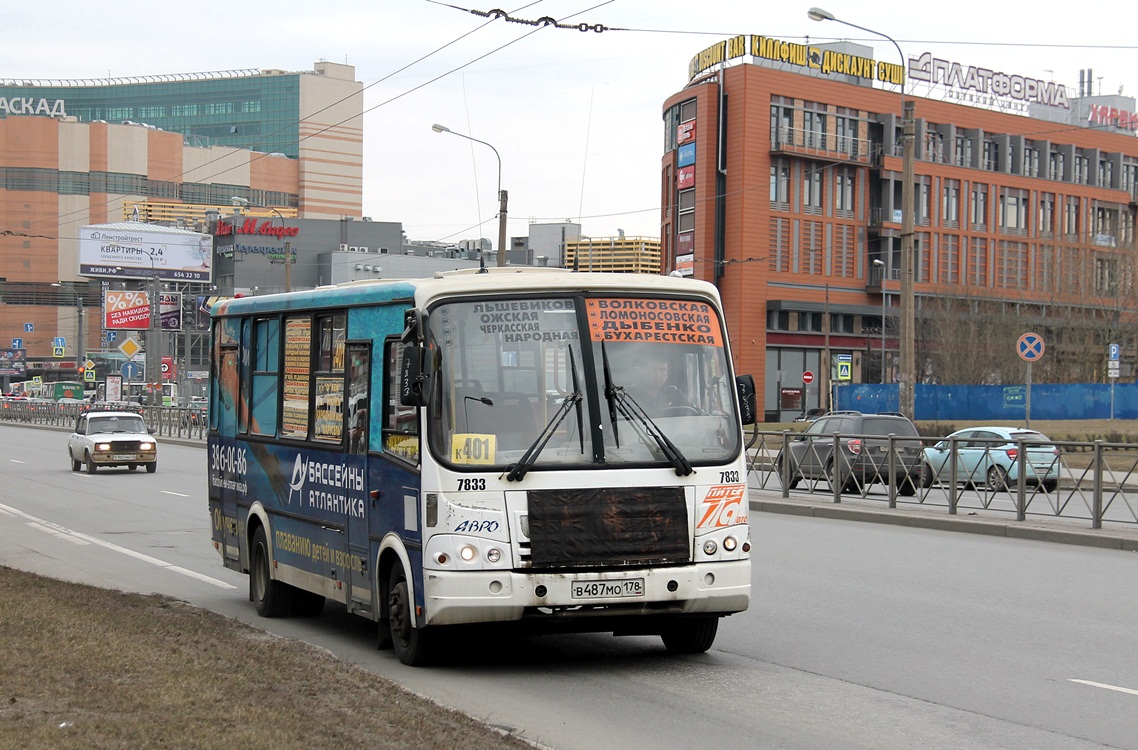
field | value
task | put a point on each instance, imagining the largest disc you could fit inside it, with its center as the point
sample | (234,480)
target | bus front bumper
(463,597)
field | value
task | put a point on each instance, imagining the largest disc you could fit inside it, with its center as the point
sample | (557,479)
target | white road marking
(175,494)
(1104,686)
(17,461)
(80,538)
(58,533)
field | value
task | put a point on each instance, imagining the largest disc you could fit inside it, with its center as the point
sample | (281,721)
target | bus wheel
(692,635)
(271,598)
(412,645)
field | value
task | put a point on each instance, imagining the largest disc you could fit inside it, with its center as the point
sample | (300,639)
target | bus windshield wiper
(610,394)
(635,413)
(517,471)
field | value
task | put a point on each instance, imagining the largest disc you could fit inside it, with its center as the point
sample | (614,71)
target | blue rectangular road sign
(17,343)
(1115,352)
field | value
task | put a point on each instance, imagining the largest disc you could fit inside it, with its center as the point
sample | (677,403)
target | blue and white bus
(472,448)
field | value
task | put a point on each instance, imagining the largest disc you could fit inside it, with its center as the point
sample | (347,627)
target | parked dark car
(863,452)
(811,415)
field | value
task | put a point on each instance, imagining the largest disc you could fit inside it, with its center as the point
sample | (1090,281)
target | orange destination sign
(661,321)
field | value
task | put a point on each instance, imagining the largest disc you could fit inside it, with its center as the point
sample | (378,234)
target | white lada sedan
(112,438)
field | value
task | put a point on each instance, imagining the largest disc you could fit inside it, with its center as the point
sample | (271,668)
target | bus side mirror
(412,381)
(412,326)
(745,385)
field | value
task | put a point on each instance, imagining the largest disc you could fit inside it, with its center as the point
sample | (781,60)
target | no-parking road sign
(1030,347)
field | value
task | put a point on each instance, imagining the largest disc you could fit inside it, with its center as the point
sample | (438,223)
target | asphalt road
(860,635)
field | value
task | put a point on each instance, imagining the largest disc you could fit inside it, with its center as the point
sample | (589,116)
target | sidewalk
(1062,530)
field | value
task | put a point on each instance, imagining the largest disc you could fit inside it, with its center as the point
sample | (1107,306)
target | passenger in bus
(652,391)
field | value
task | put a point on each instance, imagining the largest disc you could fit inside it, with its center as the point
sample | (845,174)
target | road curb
(1108,538)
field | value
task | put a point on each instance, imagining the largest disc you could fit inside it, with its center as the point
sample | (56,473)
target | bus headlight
(709,547)
(729,544)
(493,554)
(467,553)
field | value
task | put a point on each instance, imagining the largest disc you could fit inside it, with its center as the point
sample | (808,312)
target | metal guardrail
(1092,481)
(163,421)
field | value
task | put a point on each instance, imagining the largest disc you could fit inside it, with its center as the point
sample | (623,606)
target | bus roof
(518,279)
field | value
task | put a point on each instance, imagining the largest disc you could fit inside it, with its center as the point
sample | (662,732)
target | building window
(780,184)
(1082,169)
(1106,275)
(1105,173)
(1056,166)
(685,219)
(950,204)
(810,321)
(782,124)
(814,125)
(1031,162)
(978,214)
(1129,176)
(1071,224)
(778,320)
(1046,214)
(934,146)
(1013,211)
(924,201)
(991,156)
(811,190)
(844,192)
(962,156)
(1105,227)
(841,323)
(846,131)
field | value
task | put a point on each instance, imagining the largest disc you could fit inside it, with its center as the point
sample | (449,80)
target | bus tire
(271,598)
(691,635)
(412,645)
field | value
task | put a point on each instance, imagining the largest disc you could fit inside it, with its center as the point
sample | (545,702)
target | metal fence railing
(1092,481)
(163,421)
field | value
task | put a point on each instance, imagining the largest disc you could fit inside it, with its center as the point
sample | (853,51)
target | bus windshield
(580,381)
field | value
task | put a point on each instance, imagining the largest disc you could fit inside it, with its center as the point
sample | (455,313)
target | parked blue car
(988,457)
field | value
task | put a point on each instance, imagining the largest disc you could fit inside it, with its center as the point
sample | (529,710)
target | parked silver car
(989,457)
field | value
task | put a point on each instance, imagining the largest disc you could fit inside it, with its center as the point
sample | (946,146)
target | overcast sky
(575,116)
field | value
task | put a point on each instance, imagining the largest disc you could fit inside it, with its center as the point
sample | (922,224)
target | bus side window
(400,423)
(359,413)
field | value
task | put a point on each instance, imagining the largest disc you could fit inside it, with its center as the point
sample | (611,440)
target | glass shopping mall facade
(247,109)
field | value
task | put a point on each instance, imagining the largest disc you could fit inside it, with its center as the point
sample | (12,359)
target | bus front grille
(608,527)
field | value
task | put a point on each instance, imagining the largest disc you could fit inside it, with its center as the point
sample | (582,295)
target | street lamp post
(287,255)
(81,356)
(501,193)
(907,313)
(881,264)
(154,354)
